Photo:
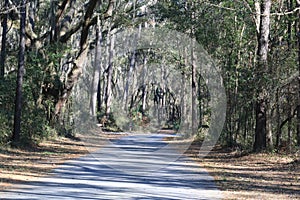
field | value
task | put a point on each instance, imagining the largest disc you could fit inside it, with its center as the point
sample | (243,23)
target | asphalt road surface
(133,167)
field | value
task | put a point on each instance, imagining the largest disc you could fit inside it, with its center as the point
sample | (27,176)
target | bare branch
(245,2)
(286,13)
(13,7)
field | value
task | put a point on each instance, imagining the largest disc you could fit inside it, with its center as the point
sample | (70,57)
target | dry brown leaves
(19,165)
(252,176)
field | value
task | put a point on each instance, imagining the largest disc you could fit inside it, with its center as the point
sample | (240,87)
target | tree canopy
(54,52)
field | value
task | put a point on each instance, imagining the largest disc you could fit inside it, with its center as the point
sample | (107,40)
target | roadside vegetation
(60,75)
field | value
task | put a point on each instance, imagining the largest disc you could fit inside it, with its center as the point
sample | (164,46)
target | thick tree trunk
(260,142)
(76,71)
(260,128)
(21,71)
(3,42)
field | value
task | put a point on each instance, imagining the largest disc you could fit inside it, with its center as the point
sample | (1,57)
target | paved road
(133,167)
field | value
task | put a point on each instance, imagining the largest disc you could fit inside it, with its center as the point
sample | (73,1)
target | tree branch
(254,13)
(58,16)
(61,9)
(109,10)
(75,73)
(286,13)
(287,119)
(87,22)
(64,38)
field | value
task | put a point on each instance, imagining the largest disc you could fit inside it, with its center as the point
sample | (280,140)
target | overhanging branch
(253,13)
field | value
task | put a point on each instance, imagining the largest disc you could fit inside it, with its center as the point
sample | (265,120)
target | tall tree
(3,42)
(262,107)
(21,71)
(75,72)
(298,106)
(97,69)
(109,86)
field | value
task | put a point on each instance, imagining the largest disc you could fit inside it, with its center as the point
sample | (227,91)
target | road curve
(133,167)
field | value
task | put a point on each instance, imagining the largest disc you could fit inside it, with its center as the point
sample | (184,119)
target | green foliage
(4,129)
(35,126)
(226,29)
(6,108)
(41,71)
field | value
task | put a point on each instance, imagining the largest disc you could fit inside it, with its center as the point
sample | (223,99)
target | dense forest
(54,53)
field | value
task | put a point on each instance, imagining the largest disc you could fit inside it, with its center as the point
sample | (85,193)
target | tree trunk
(269,133)
(109,76)
(99,97)
(194,94)
(128,80)
(290,115)
(3,43)
(183,100)
(278,135)
(144,81)
(298,106)
(200,101)
(262,66)
(260,128)
(21,71)
(97,69)
(76,71)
